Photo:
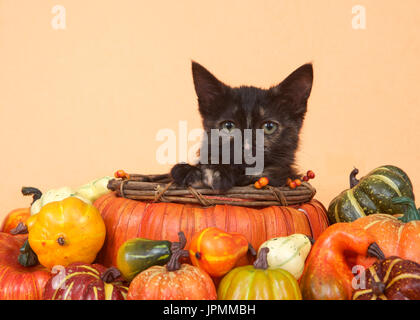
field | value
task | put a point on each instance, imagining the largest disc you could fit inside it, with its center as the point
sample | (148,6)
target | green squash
(372,194)
(137,255)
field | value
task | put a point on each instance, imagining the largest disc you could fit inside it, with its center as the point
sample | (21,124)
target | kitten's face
(279,110)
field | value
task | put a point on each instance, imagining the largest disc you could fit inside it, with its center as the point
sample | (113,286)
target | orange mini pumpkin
(66,231)
(396,236)
(16,281)
(174,281)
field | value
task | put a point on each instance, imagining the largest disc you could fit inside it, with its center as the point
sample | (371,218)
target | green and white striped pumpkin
(372,194)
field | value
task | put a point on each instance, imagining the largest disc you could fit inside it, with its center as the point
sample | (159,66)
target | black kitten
(279,111)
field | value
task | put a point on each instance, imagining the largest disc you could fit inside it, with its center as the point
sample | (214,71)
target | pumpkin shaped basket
(152,207)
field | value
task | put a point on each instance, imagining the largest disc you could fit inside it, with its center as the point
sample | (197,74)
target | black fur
(249,108)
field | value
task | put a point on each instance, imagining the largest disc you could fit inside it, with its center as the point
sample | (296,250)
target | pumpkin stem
(110,275)
(27,256)
(175,246)
(378,288)
(411,213)
(178,252)
(251,250)
(375,251)
(261,262)
(21,228)
(174,264)
(34,192)
(353,180)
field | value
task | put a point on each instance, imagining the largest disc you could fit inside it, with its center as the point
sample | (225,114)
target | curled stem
(353,180)
(31,191)
(375,251)
(110,275)
(178,252)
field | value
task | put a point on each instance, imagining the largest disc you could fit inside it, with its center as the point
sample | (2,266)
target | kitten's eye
(228,125)
(269,127)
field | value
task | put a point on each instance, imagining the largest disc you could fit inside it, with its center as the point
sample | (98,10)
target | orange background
(79,103)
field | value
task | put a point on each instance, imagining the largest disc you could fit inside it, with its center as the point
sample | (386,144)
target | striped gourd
(391,279)
(80,281)
(372,194)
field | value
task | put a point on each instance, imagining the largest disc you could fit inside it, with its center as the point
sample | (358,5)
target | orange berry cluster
(121,174)
(293,184)
(261,183)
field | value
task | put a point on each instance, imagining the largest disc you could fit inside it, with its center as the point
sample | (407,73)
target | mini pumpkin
(257,282)
(66,231)
(397,236)
(18,282)
(80,281)
(174,281)
(391,279)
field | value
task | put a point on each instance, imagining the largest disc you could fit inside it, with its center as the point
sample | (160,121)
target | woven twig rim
(160,188)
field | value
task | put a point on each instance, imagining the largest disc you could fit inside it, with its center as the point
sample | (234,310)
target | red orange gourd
(216,251)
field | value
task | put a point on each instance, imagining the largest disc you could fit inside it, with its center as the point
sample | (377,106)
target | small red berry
(310,174)
(263,181)
(305,178)
(292,185)
(121,174)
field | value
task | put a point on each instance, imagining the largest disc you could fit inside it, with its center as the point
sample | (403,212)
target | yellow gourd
(66,231)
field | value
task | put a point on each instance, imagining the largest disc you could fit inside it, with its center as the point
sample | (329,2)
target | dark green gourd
(372,194)
(137,255)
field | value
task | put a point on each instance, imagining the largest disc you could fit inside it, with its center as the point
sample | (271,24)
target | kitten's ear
(207,86)
(295,89)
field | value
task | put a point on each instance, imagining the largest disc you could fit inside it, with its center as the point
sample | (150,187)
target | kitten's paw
(186,175)
(219,179)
